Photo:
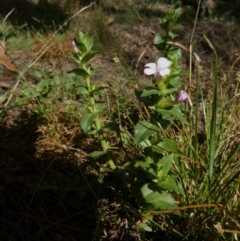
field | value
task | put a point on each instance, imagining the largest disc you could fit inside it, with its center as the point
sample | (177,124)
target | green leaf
(93,69)
(168,91)
(170,183)
(143,164)
(150,170)
(86,121)
(86,41)
(97,154)
(172,35)
(42,87)
(80,72)
(150,91)
(80,46)
(76,57)
(164,165)
(167,145)
(175,111)
(98,89)
(81,89)
(148,100)
(175,83)
(89,56)
(143,130)
(160,200)
(92,132)
(158,39)
(175,54)
(144,226)
(159,42)
(100,106)
(176,14)
(89,43)
(162,20)
(146,143)
(3,98)
(177,26)
(81,35)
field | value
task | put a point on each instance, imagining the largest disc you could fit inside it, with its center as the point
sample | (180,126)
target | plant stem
(98,124)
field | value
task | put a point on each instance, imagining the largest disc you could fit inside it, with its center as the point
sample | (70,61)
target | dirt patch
(135,46)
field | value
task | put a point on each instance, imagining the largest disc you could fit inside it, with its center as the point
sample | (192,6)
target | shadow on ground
(42,197)
(42,16)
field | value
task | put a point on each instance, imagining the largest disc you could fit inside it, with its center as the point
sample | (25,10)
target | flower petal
(151,69)
(182,96)
(75,48)
(164,72)
(151,66)
(163,63)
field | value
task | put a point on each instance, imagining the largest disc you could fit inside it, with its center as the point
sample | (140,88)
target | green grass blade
(212,137)
(195,143)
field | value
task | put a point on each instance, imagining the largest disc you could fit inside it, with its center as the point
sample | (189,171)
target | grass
(52,189)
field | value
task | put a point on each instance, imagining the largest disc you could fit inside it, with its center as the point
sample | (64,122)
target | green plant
(208,173)
(157,149)
(171,158)
(90,122)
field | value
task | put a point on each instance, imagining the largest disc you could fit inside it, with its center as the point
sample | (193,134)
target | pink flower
(159,69)
(182,96)
(75,48)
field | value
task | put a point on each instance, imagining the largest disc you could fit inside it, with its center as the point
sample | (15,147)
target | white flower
(160,69)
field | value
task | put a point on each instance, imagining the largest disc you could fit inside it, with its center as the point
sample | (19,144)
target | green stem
(98,125)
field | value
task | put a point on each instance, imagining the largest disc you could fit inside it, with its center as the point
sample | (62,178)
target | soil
(135,45)
(132,42)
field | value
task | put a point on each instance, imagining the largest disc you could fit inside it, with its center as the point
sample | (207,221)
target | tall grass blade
(212,137)
(198,81)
